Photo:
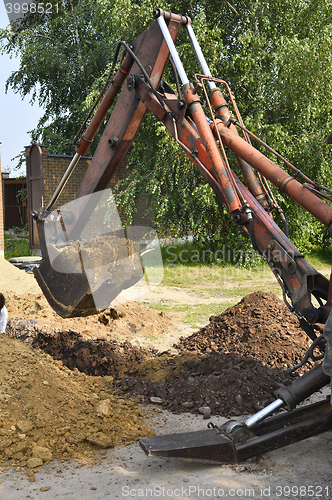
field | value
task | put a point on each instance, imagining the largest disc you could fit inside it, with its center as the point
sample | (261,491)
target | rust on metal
(151,49)
(223,176)
(290,186)
(220,105)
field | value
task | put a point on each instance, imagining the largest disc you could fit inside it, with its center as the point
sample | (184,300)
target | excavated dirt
(259,326)
(233,365)
(48,411)
(125,321)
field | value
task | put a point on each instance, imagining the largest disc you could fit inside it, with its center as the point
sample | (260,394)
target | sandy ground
(302,470)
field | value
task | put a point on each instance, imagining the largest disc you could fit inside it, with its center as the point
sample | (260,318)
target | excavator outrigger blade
(235,442)
(216,445)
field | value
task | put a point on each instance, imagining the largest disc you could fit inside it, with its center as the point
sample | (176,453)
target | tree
(276,56)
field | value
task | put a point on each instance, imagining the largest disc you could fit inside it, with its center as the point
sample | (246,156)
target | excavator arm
(74,290)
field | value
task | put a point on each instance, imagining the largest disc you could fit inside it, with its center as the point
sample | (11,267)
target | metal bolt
(113,143)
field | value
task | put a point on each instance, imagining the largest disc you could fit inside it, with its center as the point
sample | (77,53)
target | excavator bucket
(89,259)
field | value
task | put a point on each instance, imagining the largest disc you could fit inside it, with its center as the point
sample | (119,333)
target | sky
(17,115)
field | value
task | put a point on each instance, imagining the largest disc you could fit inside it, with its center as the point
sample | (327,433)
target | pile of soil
(48,411)
(237,361)
(226,385)
(233,365)
(124,321)
(260,326)
(96,357)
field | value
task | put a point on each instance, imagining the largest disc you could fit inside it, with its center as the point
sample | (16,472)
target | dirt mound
(48,411)
(124,321)
(232,365)
(227,384)
(91,356)
(260,326)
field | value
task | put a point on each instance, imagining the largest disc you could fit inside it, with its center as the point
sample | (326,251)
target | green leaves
(275,55)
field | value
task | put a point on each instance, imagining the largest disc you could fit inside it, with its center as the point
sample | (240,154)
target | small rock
(104,408)
(24,426)
(188,404)
(101,440)
(43,453)
(205,411)
(34,462)
(156,400)
(238,399)
(45,488)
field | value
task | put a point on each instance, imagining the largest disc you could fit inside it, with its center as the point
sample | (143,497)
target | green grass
(18,247)
(219,285)
(319,257)
(204,276)
(194,315)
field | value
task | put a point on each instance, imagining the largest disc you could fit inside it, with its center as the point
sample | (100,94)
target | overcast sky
(17,115)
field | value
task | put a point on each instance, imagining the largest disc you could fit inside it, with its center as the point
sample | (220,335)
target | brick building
(44,172)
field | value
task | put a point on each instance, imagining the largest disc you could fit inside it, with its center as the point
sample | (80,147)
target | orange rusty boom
(73,290)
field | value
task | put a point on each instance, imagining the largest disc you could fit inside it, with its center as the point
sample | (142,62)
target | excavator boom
(75,285)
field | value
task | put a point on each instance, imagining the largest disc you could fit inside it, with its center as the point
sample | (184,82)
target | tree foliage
(275,55)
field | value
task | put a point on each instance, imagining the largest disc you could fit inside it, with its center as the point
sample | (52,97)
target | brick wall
(2,240)
(54,166)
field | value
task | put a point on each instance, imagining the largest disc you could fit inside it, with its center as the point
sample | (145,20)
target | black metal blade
(203,446)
